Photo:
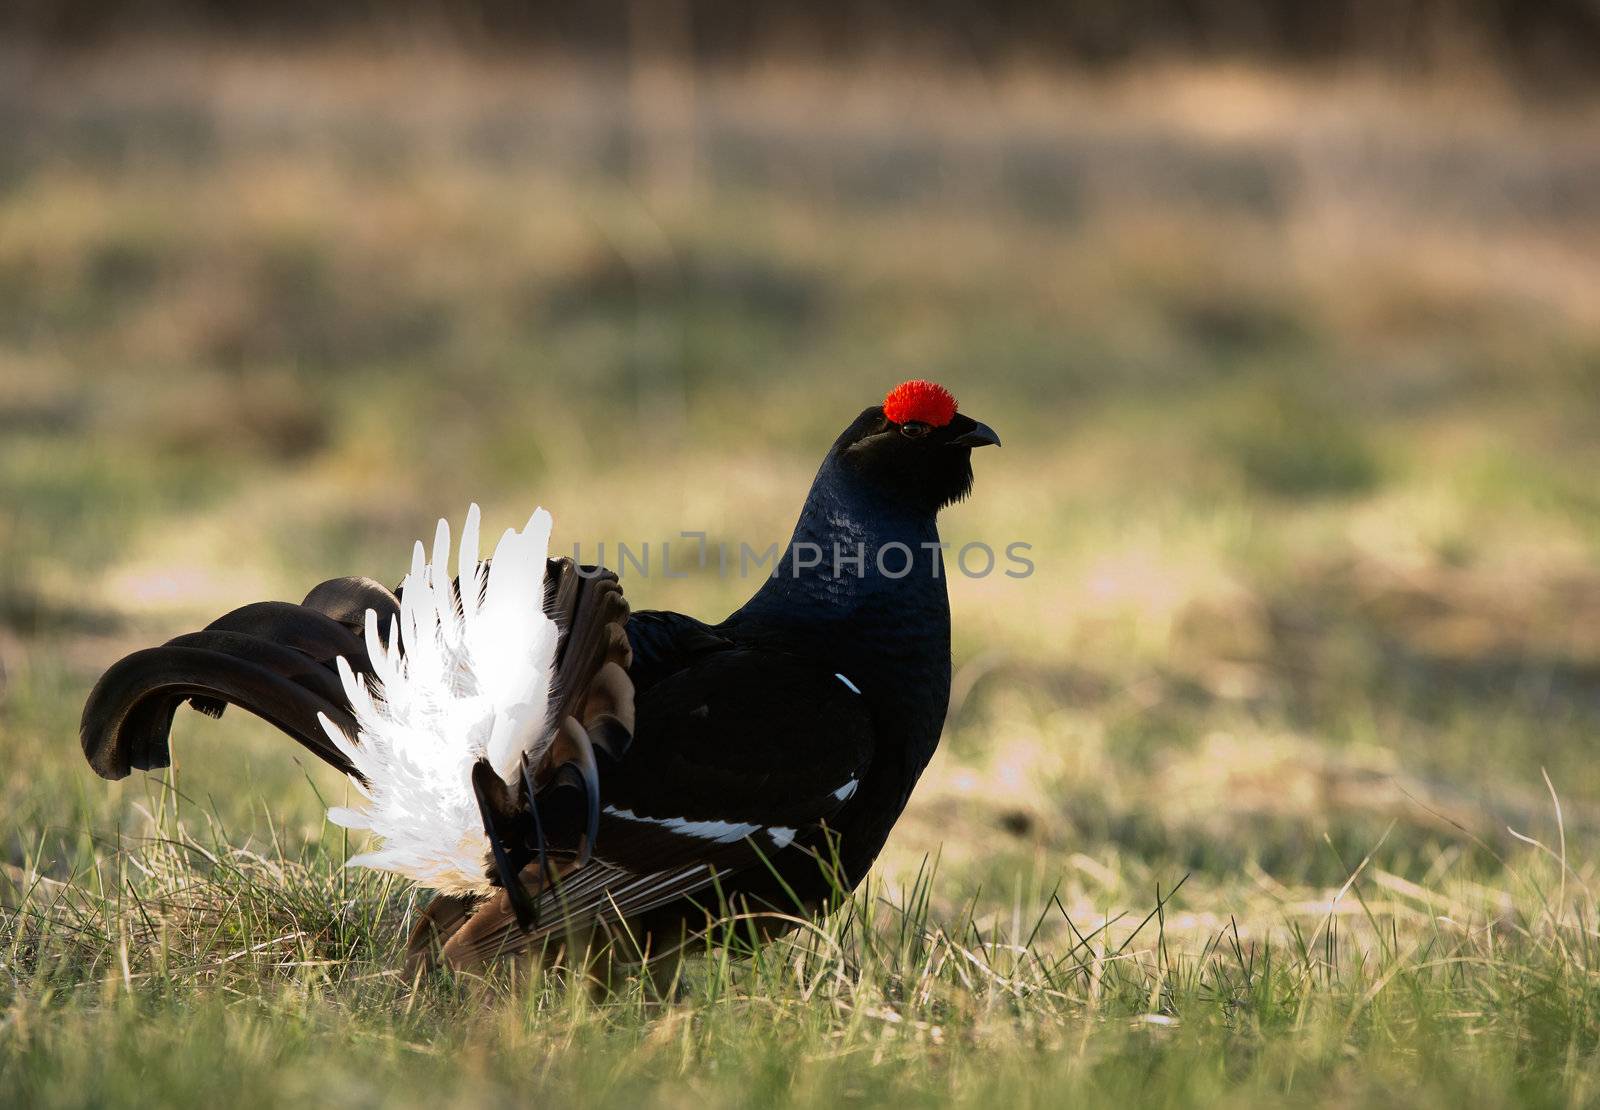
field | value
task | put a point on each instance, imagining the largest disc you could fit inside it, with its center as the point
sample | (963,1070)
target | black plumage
(759,762)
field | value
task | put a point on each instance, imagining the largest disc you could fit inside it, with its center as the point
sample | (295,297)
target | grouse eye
(916,429)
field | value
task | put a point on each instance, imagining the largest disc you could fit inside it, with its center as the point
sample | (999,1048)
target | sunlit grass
(184,966)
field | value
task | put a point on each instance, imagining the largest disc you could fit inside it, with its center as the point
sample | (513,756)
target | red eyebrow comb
(920,401)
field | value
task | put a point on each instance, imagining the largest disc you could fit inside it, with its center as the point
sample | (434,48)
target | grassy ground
(1274,782)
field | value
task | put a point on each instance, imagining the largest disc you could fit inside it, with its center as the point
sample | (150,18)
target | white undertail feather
(448,688)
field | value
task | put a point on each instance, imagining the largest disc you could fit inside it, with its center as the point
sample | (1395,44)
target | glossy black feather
(347,600)
(128,716)
(664,643)
(274,659)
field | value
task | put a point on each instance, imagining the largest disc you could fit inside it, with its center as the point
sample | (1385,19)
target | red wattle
(920,401)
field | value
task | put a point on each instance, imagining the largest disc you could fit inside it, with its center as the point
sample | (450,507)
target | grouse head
(915,447)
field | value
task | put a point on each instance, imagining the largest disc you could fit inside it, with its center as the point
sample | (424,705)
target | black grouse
(556,767)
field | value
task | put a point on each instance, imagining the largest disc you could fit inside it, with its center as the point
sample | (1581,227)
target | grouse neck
(856,559)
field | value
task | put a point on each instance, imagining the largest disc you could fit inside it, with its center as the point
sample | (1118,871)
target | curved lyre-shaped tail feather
(516,668)
(271,658)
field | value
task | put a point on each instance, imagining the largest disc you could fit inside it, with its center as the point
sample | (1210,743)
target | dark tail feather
(288,663)
(490,791)
(580,772)
(347,600)
(272,659)
(129,714)
(437,923)
(300,627)
(308,631)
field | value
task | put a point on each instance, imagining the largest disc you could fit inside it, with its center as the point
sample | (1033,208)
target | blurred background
(1288,314)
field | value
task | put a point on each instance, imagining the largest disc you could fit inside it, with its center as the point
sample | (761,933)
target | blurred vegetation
(1299,381)
(1547,43)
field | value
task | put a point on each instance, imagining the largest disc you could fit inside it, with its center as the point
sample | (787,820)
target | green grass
(1232,801)
(179,968)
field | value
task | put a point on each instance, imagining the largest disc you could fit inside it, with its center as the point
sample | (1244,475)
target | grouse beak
(981,435)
